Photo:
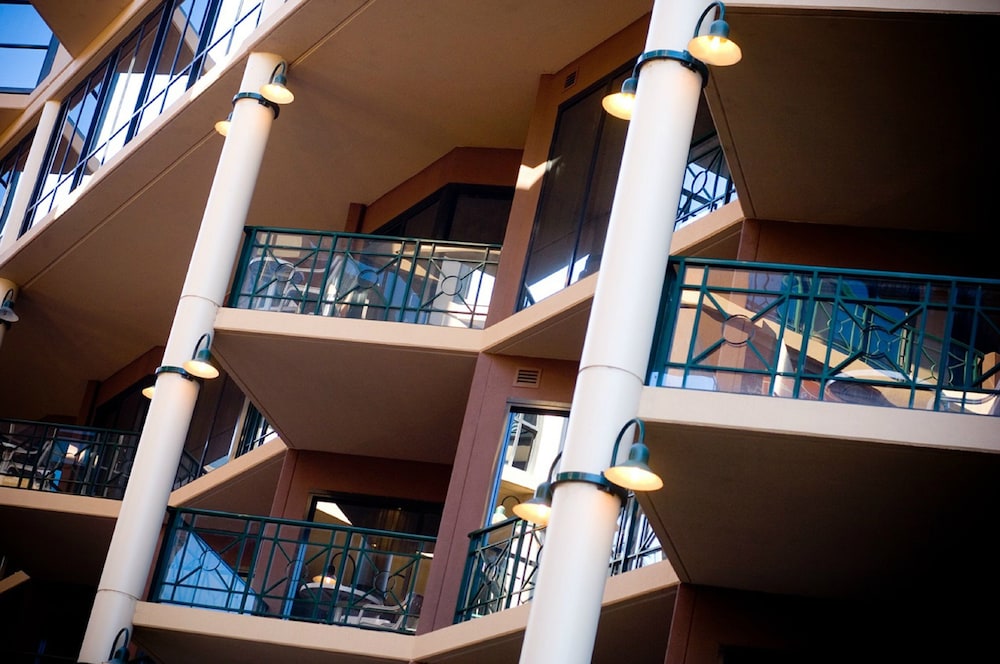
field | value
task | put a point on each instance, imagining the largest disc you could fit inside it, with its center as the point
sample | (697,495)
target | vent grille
(527,377)
(570,80)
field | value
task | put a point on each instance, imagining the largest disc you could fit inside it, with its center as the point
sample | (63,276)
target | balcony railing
(875,338)
(255,431)
(82,461)
(174,46)
(502,566)
(708,184)
(296,570)
(366,276)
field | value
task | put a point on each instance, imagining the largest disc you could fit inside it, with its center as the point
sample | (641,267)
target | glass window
(575,204)
(532,439)
(456,212)
(27,47)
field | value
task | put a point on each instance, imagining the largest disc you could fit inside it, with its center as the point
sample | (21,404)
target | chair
(393,617)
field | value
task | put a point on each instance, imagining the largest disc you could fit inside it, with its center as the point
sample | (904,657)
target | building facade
(394,274)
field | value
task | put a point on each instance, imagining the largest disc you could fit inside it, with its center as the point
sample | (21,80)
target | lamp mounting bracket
(597,479)
(180,371)
(261,99)
(683,57)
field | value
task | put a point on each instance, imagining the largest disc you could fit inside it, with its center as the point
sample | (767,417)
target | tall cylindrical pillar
(133,543)
(31,174)
(565,609)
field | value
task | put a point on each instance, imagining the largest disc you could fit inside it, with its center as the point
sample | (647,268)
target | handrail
(374,277)
(296,570)
(501,567)
(79,460)
(906,340)
(85,461)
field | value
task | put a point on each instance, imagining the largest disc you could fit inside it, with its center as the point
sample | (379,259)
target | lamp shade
(325,581)
(148,391)
(715,48)
(620,104)
(539,508)
(276,90)
(7,314)
(222,126)
(634,473)
(201,365)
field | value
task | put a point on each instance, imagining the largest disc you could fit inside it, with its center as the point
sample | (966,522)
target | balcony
(293,570)
(503,560)
(364,276)
(81,461)
(874,338)
(868,472)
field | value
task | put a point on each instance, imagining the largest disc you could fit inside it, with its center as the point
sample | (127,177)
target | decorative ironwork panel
(77,460)
(372,277)
(876,338)
(501,568)
(503,560)
(295,570)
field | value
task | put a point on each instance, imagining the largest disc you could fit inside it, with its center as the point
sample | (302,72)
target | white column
(31,173)
(6,285)
(133,544)
(562,622)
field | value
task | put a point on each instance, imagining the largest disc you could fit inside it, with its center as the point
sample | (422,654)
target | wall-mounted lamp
(713,48)
(222,126)
(119,653)
(539,507)
(149,390)
(276,89)
(7,314)
(634,473)
(200,364)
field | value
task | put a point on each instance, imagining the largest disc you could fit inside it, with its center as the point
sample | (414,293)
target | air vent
(528,377)
(570,80)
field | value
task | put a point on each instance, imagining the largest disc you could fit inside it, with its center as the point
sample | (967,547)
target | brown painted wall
(489,166)
(475,467)
(306,474)
(708,622)
(867,248)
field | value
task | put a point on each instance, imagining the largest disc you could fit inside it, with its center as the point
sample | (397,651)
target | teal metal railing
(502,565)
(366,276)
(635,545)
(83,461)
(877,338)
(707,185)
(296,570)
(501,568)
(255,431)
